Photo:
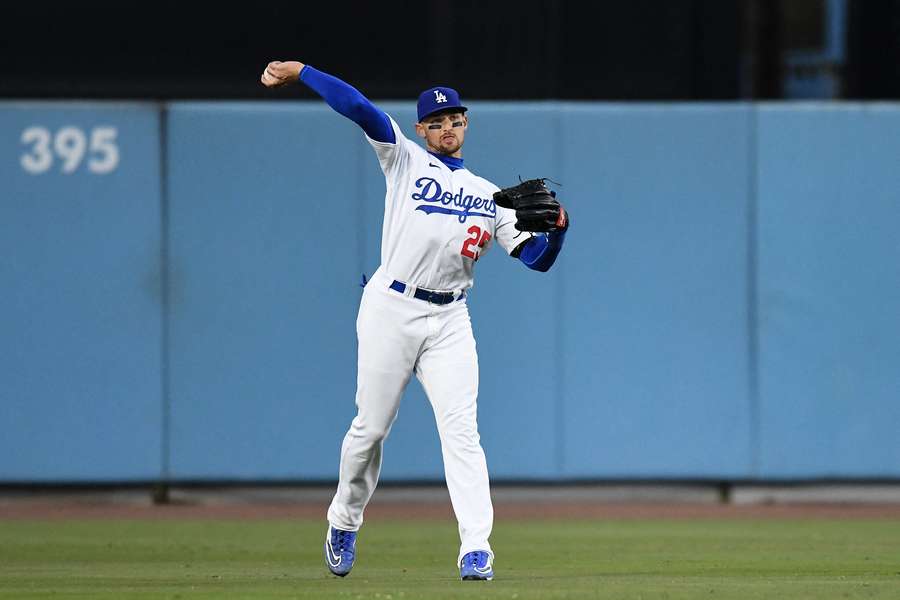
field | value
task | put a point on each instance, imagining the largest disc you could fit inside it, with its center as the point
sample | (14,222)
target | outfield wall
(179,285)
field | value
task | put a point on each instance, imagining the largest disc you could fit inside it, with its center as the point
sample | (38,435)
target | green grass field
(414,559)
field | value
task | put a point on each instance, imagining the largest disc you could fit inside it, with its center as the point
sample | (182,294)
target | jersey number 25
(479,238)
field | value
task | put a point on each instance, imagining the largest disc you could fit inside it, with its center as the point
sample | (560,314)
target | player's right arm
(341,96)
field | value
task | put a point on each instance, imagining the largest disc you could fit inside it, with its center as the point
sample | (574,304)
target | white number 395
(70,145)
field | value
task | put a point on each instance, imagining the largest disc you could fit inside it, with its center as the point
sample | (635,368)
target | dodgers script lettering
(465,205)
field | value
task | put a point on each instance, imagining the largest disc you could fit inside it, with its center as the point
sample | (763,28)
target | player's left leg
(448,370)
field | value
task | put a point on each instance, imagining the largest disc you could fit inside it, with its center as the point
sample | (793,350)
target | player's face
(444,133)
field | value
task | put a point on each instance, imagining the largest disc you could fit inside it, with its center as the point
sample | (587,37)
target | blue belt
(427,295)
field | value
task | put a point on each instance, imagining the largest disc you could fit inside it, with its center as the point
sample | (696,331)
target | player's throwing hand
(278,73)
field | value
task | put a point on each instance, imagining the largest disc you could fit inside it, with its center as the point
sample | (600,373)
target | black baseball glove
(537,208)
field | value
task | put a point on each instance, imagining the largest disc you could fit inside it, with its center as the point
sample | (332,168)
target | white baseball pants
(399,334)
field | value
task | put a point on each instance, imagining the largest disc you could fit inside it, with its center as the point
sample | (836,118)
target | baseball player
(439,218)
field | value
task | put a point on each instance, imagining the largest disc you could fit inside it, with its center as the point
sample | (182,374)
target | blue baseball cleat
(340,550)
(476,566)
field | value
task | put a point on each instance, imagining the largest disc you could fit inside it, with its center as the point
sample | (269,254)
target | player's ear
(420,130)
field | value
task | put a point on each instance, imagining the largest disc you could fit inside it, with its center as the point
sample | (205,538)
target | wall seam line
(753,290)
(559,366)
(165,266)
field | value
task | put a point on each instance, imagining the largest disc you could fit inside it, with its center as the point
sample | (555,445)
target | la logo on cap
(439,97)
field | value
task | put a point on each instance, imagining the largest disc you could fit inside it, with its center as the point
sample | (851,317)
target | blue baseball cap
(438,99)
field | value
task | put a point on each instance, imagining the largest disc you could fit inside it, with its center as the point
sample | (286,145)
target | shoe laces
(341,539)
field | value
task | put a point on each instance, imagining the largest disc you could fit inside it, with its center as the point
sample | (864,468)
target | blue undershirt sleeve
(540,252)
(348,101)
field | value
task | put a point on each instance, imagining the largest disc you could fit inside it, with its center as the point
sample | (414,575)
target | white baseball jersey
(437,222)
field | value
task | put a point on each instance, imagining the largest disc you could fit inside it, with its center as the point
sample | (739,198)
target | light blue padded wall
(725,305)
(829,291)
(80,286)
(264,209)
(655,306)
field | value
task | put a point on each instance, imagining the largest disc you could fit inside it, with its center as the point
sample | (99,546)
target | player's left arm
(529,207)
(540,251)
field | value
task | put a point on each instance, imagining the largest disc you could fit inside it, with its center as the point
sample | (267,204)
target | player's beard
(449,148)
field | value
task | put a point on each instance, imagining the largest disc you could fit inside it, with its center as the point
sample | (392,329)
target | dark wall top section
(498,49)
(873,69)
(529,49)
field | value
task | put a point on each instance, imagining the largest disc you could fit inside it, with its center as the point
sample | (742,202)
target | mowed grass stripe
(415,559)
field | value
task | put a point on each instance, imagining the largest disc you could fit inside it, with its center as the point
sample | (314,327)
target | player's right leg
(390,331)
